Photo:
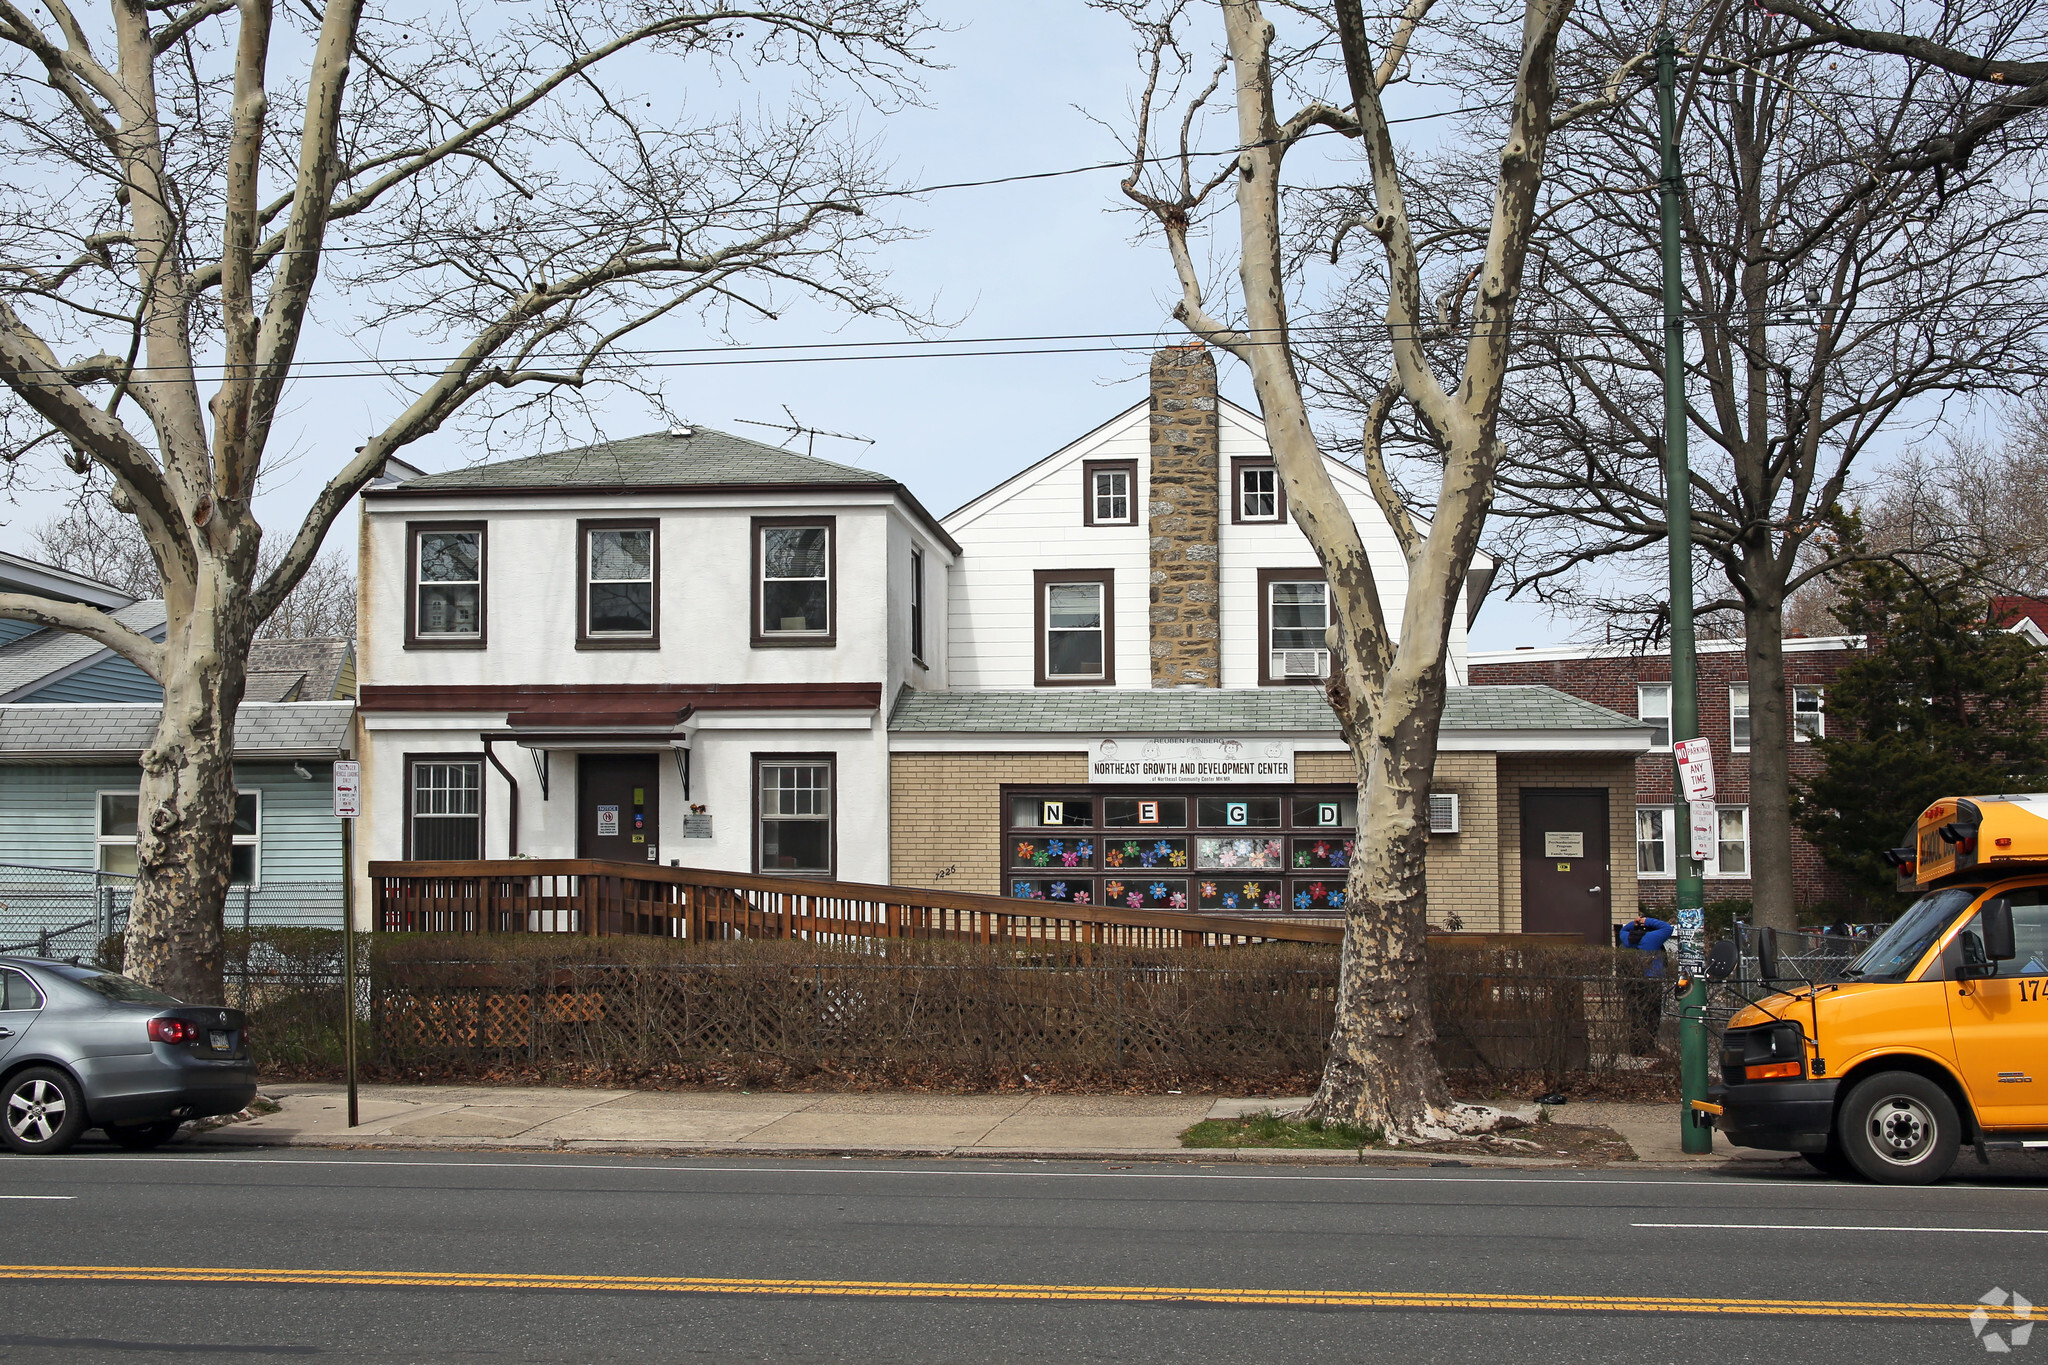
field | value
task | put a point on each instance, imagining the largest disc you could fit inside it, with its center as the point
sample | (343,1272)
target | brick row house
(1099,681)
(1639,684)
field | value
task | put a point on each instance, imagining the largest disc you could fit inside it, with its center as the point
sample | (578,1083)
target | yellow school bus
(1936,1038)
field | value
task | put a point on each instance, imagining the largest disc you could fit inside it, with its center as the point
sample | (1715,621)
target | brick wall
(1464,870)
(946,814)
(1616,773)
(1610,681)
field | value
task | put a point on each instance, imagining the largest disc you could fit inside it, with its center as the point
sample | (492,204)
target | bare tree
(1387,684)
(93,538)
(487,179)
(1853,266)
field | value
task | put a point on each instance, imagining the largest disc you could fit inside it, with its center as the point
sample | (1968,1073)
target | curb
(1280,1156)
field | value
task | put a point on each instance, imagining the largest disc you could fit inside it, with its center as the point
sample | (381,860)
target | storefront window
(1134,850)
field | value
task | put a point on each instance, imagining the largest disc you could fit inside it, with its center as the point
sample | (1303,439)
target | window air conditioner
(1443,812)
(1303,663)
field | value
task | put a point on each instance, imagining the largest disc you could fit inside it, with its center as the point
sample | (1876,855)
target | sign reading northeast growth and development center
(1143,758)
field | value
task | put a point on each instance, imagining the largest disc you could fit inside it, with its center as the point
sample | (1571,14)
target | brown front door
(618,807)
(1566,873)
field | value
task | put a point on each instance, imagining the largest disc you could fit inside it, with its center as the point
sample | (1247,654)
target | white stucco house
(688,647)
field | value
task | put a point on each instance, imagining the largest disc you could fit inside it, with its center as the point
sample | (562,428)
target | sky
(1046,257)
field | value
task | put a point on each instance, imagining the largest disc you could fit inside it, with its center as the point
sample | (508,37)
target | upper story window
(1255,491)
(1076,627)
(444,606)
(1294,613)
(1809,714)
(1738,718)
(444,808)
(1109,493)
(621,603)
(917,605)
(120,825)
(1653,705)
(794,590)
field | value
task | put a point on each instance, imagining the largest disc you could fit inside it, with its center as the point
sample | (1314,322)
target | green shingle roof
(1233,710)
(704,458)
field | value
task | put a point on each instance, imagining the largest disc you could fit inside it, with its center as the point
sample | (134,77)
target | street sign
(1695,768)
(348,789)
(1703,828)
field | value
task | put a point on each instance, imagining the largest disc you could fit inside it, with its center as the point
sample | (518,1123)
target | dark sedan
(81,1048)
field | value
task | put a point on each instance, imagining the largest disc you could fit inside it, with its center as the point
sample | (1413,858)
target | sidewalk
(1066,1127)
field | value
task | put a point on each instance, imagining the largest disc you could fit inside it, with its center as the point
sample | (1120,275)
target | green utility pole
(1685,711)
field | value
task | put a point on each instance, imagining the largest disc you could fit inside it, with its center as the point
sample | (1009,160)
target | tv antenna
(796,428)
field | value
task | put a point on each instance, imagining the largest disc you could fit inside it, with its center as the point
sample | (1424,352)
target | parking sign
(348,789)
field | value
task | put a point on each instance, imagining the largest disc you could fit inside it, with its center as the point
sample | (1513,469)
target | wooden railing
(585,896)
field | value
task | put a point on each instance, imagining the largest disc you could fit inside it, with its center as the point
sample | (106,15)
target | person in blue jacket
(1646,935)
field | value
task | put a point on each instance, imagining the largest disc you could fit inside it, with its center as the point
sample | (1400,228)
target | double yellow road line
(1031,1293)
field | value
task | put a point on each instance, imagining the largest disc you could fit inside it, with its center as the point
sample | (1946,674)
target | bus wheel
(1899,1128)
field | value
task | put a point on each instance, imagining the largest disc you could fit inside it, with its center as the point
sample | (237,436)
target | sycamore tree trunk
(1381,1067)
(1770,752)
(184,849)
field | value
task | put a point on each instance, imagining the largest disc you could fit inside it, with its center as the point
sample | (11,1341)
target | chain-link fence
(64,912)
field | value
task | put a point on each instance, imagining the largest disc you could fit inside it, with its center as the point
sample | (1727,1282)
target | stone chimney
(1186,615)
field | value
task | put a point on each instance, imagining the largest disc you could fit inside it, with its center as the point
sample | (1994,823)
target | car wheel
(1899,1128)
(41,1111)
(139,1137)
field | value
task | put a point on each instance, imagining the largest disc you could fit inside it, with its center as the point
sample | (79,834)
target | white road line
(38,1196)
(1833,1227)
(1477,1176)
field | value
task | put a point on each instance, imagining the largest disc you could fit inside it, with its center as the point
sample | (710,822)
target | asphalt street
(488,1257)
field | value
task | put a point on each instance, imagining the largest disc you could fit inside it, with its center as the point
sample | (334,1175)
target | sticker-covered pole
(348,804)
(1689,916)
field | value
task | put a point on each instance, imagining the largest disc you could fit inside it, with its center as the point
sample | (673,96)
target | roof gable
(50,655)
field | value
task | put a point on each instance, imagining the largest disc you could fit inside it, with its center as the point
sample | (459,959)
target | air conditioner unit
(1301,663)
(1443,812)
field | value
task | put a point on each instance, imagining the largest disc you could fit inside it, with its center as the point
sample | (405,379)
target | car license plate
(220,1039)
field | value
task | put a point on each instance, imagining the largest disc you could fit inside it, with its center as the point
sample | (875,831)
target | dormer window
(794,590)
(1256,495)
(1109,490)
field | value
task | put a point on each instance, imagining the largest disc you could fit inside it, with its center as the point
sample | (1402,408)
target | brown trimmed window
(618,589)
(444,570)
(1294,612)
(444,807)
(795,592)
(793,802)
(1255,493)
(1109,493)
(1075,622)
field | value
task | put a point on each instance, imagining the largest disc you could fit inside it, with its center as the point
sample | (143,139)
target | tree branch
(79,619)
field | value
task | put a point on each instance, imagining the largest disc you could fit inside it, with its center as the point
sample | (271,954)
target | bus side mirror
(1767,953)
(1995,918)
(1721,960)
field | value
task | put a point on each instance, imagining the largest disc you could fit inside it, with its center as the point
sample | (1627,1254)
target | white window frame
(591,582)
(1715,865)
(1098,498)
(1100,629)
(1645,692)
(1663,842)
(829,793)
(917,604)
(1811,723)
(1276,667)
(420,584)
(1262,482)
(1738,710)
(102,841)
(1676,844)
